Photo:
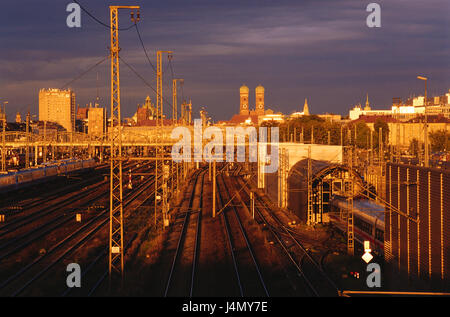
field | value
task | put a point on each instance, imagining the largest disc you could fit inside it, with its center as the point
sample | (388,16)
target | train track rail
(248,273)
(43,194)
(177,283)
(315,279)
(48,208)
(101,257)
(63,248)
(49,226)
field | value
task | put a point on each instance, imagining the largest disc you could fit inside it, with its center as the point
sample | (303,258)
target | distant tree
(270,123)
(439,141)
(380,123)
(362,135)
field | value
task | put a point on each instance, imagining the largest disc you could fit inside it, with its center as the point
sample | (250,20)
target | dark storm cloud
(320,50)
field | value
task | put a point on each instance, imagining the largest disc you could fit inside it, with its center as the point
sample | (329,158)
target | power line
(143,79)
(85,72)
(100,22)
(143,47)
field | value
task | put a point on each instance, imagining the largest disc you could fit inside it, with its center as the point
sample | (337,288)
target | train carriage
(14,180)
(368,221)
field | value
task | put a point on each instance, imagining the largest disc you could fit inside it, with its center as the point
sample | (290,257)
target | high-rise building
(259,100)
(58,106)
(243,108)
(18,118)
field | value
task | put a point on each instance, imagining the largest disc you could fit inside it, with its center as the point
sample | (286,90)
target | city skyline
(325,53)
(226,153)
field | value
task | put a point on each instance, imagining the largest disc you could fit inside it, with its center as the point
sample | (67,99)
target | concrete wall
(320,152)
(297,152)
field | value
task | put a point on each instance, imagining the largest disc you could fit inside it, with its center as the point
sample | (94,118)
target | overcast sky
(318,49)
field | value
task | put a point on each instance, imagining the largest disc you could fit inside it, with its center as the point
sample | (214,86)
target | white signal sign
(367,257)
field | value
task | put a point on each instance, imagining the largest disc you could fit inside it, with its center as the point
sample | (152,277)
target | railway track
(102,255)
(180,281)
(47,208)
(63,248)
(96,287)
(315,280)
(42,227)
(248,273)
(45,192)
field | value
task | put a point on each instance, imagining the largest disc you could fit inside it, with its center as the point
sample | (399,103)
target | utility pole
(310,219)
(159,118)
(214,189)
(174,100)
(4,143)
(159,81)
(371,148)
(4,138)
(27,150)
(209,171)
(116,261)
(350,232)
(380,146)
(252,203)
(44,159)
(425,128)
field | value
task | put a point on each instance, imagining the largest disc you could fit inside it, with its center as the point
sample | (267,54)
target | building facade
(407,110)
(58,106)
(96,121)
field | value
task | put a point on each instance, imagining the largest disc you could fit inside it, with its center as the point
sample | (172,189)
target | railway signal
(367,256)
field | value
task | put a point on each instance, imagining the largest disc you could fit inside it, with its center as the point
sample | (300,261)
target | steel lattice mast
(116,262)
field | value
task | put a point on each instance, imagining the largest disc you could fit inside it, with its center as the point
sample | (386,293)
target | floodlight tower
(116,262)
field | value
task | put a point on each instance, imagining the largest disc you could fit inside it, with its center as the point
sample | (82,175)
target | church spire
(367,107)
(305,108)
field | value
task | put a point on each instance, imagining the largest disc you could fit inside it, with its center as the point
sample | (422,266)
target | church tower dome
(243,96)
(259,100)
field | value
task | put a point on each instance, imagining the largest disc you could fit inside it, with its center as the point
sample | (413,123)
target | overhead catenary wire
(143,79)
(99,21)
(153,66)
(129,66)
(143,47)
(85,72)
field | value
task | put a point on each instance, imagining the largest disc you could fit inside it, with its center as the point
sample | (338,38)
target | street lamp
(425,129)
